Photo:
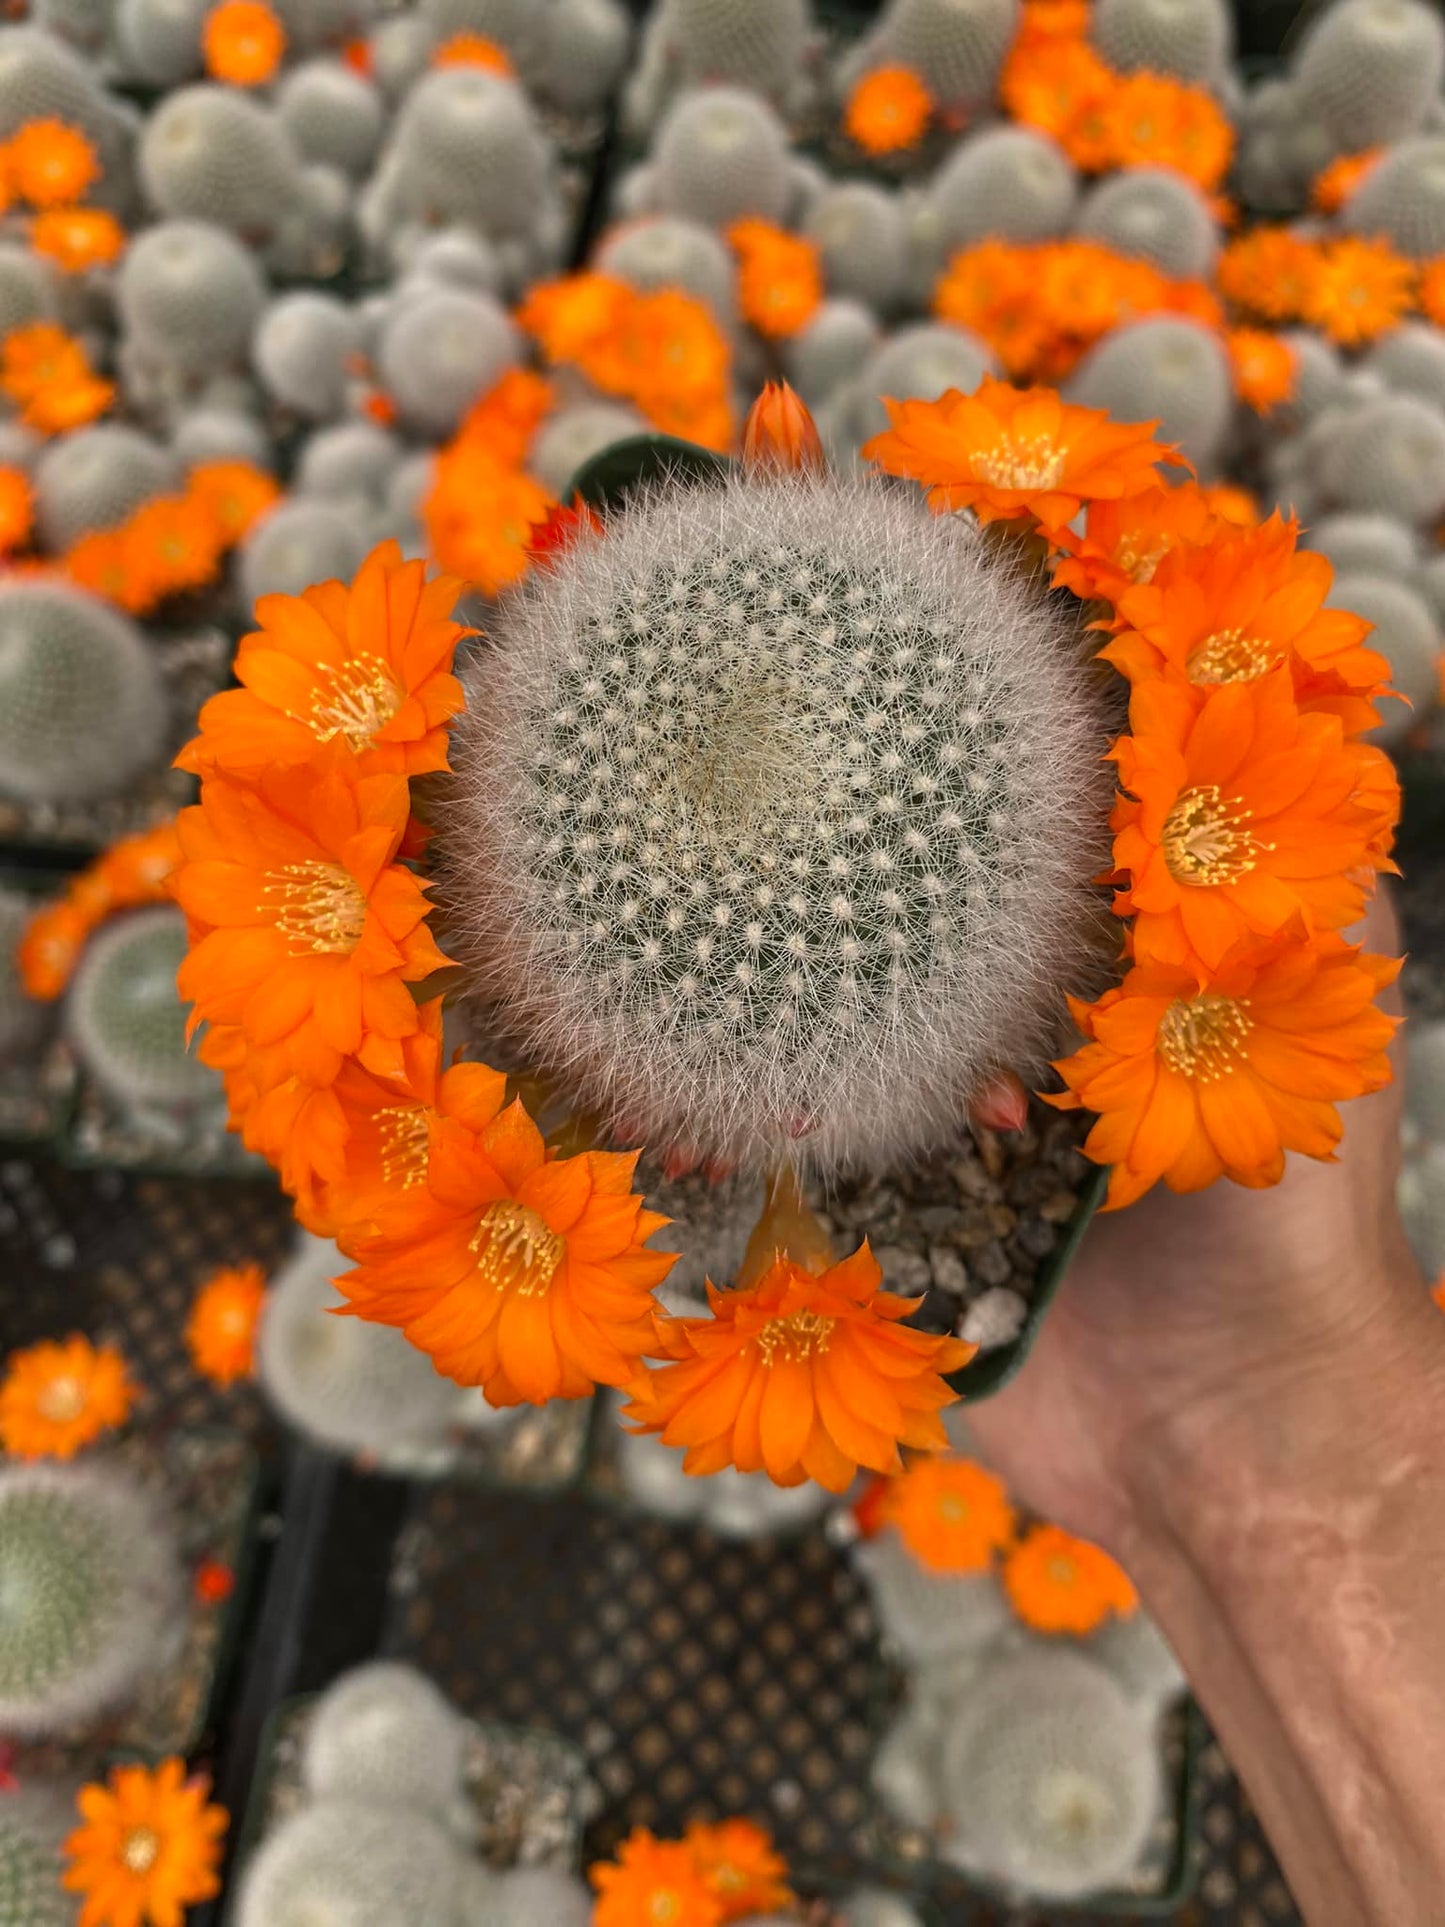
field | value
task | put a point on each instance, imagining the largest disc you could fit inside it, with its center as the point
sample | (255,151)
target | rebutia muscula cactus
(34,1822)
(770,820)
(353,1865)
(385,1736)
(126,1021)
(90,1592)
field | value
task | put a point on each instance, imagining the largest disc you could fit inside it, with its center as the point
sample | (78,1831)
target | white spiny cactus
(587,44)
(94,479)
(904,1769)
(1009,183)
(956,47)
(1154,213)
(1319,373)
(872,1907)
(303,348)
(1190,38)
(722,154)
(207,434)
(666,251)
(82,704)
(189,295)
(384,1736)
(1406,635)
(41,78)
(1165,369)
(211,154)
(441,352)
(90,1594)
(930,1616)
(352,1865)
(1051,1776)
(314,25)
(332,114)
(34,1824)
(862,242)
(27,288)
(1402,198)
(831,350)
(1410,360)
(125,1020)
(354,461)
(1133,1651)
(1388,458)
(1364,544)
(355,1386)
(574,435)
(297,544)
(159,41)
(467,147)
(776,800)
(400,46)
(1370,68)
(527,1896)
(456,258)
(918,363)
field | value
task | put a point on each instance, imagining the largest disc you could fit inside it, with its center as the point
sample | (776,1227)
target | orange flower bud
(1002,1104)
(780,434)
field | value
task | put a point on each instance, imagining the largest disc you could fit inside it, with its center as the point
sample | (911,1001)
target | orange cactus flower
(1232,607)
(221,1330)
(570,316)
(312,931)
(780,434)
(51,164)
(1334,184)
(506,419)
(1437,1291)
(243,42)
(78,238)
(51,948)
(1246,816)
(524,1274)
(479,514)
(1199,1075)
(172,544)
(148,1848)
(1007,452)
(807,1375)
(234,494)
(739,1863)
(17,508)
(1054,84)
(133,871)
(214,1583)
(367,666)
(1059,1584)
(1269,271)
(56,1397)
(1360,290)
(1054,20)
(1432,291)
(1233,504)
(780,282)
(1124,541)
(560,528)
(65,406)
(951,1513)
(1157,121)
(888,111)
(1264,367)
(101,563)
(993,290)
(653,1880)
(45,372)
(474,50)
(1086,288)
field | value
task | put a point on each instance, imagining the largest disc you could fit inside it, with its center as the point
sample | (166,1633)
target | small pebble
(949,1271)
(994,1318)
(904,1271)
(992,1265)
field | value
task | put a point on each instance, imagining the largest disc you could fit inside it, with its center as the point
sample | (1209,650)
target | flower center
(355,699)
(952,1509)
(405,1143)
(1203,1037)
(1137,563)
(801,1335)
(663,1905)
(61,1400)
(1205,841)
(1062,1571)
(318,906)
(140,1849)
(1229,655)
(1018,461)
(517,1249)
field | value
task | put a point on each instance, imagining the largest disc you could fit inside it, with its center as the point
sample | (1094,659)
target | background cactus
(574,435)
(125,1020)
(220,435)
(832,349)
(587,44)
(159,41)
(1388,458)
(871,1907)
(352,1866)
(956,47)
(27,288)
(1406,635)
(210,154)
(34,1823)
(1410,360)
(1156,214)
(1008,183)
(332,114)
(354,461)
(356,1387)
(1163,369)
(300,543)
(94,479)
(1370,68)
(467,147)
(1051,1775)
(302,350)
(526,1896)
(82,704)
(692,895)
(862,242)
(1402,198)
(664,251)
(930,1616)
(721,154)
(918,363)
(90,1594)
(757,44)
(189,295)
(455,258)
(1363,544)
(383,1736)
(440,352)
(1191,38)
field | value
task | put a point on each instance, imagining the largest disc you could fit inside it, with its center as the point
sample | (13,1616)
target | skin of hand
(1241,1394)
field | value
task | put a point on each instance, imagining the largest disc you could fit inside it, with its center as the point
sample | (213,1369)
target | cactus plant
(356,1387)
(586,50)
(353,461)
(667,252)
(27,288)
(159,41)
(1410,360)
(456,258)
(189,295)
(832,349)
(210,154)
(299,543)
(1156,214)
(82,703)
(467,147)
(787,890)
(1406,636)
(208,434)
(332,114)
(94,479)
(862,242)
(1402,198)
(1192,39)
(351,1865)
(1163,369)
(756,44)
(34,1822)
(90,1595)
(1370,68)
(1133,1651)
(1006,182)
(440,352)
(1364,544)
(383,1736)
(872,1907)
(956,47)
(918,363)
(722,154)
(1050,1775)
(41,78)
(574,435)
(930,1616)
(302,350)
(125,1020)
(1388,458)
(527,1896)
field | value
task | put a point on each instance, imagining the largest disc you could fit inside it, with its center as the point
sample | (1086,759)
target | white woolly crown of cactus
(771,819)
